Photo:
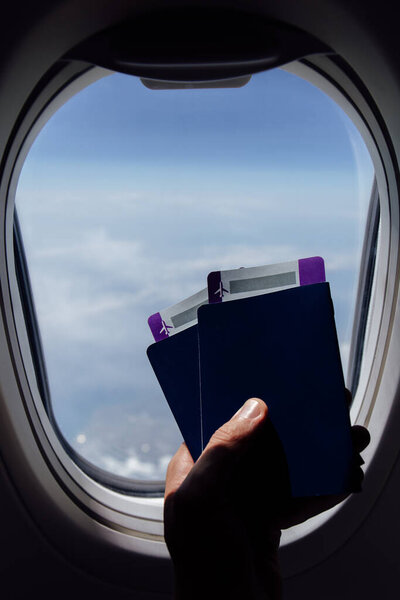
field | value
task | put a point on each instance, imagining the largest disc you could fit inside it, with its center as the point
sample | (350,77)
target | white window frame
(112,521)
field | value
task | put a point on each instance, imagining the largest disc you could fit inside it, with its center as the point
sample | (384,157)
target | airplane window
(130,196)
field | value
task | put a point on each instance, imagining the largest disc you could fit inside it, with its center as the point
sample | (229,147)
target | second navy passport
(281,347)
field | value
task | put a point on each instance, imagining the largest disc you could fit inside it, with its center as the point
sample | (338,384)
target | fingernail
(251,409)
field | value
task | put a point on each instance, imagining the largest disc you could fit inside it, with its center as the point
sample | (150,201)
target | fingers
(179,467)
(360,437)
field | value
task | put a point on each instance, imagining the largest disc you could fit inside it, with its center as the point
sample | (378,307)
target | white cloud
(134,468)
(101,290)
(124,440)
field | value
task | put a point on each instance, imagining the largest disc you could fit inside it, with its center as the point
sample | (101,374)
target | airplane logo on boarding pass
(220,291)
(165,327)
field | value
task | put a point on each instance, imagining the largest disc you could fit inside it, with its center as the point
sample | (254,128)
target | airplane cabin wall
(33,35)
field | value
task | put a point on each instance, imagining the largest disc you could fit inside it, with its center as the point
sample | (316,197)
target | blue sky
(200,126)
(130,196)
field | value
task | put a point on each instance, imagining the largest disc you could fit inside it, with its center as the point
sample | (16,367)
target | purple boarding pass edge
(158,327)
(214,287)
(311,270)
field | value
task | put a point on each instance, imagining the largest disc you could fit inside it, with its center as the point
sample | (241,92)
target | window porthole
(130,196)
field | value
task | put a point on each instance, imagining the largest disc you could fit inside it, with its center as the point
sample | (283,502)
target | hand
(206,532)
(223,514)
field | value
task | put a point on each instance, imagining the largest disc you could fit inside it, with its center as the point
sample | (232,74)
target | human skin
(222,539)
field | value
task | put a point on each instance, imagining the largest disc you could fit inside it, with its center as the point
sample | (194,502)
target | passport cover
(175,361)
(282,348)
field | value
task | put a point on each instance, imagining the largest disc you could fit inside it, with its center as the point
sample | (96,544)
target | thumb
(210,473)
(234,433)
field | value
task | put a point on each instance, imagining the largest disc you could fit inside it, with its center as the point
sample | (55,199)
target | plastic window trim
(142,517)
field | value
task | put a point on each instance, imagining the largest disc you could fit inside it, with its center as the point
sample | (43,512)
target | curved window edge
(148,508)
(364,292)
(114,482)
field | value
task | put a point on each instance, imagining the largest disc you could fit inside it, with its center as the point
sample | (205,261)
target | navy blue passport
(175,362)
(283,348)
